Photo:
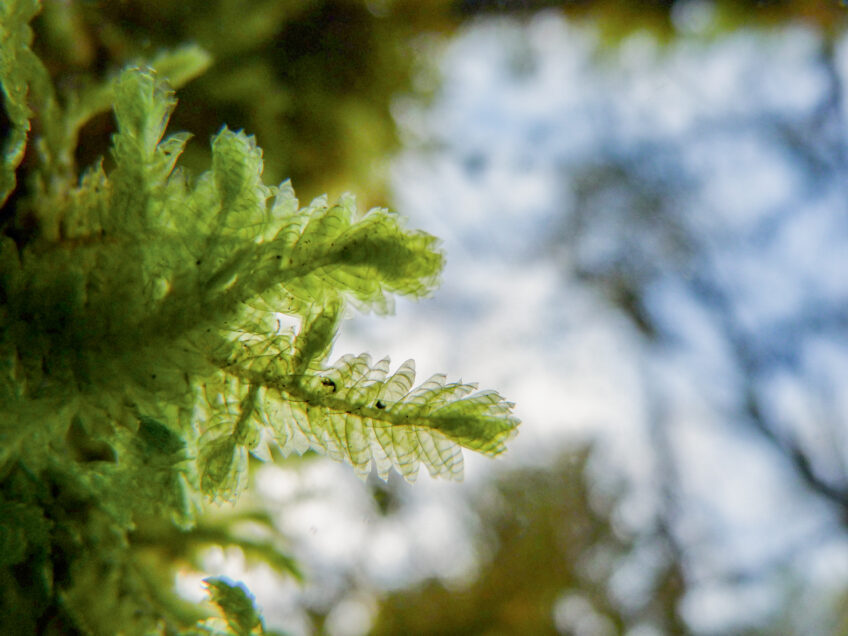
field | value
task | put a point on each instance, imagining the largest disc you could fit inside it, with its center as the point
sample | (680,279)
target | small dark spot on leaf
(198,262)
(329,383)
(157,437)
(380,405)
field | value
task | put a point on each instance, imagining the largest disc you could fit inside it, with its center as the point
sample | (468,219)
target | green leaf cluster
(316,76)
(237,605)
(142,357)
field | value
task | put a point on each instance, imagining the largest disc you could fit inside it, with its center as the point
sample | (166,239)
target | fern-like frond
(149,313)
(140,359)
(356,412)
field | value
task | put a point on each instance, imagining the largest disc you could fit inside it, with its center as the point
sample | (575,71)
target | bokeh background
(644,207)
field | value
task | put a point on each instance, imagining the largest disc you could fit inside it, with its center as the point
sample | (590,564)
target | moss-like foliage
(317,77)
(141,354)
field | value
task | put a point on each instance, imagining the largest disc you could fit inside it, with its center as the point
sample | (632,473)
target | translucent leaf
(222,466)
(237,171)
(237,605)
(178,66)
(352,412)
(367,258)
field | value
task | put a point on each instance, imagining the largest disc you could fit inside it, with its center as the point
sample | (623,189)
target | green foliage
(18,65)
(315,76)
(237,605)
(141,358)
